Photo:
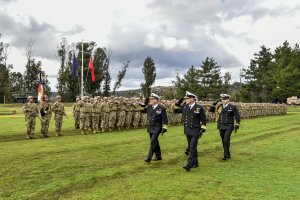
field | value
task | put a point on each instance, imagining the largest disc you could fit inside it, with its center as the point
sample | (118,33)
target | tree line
(270,76)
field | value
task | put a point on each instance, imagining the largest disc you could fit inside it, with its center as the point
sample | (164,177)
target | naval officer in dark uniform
(157,124)
(194,120)
(226,124)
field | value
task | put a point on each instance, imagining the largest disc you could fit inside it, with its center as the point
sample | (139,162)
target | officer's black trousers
(154,146)
(225,135)
(193,156)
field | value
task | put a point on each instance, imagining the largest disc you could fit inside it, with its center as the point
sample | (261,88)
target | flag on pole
(40,91)
(74,67)
(91,66)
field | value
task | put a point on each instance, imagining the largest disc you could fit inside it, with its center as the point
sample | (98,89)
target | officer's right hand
(236,127)
(202,130)
(216,102)
(163,131)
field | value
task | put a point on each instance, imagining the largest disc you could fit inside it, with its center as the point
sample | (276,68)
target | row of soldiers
(44,112)
(119,113)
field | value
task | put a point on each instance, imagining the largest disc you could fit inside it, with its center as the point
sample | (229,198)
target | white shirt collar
(225,105)
(154,106)
(191,106)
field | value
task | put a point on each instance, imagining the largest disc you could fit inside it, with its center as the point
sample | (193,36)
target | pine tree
(149,71)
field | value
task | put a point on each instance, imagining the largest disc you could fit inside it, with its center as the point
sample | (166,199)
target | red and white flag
(40,91)
(91,66)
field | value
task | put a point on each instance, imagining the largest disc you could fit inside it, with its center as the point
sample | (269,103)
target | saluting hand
(216,102)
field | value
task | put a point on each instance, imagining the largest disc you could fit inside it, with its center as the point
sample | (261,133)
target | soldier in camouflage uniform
(121,114)
(76,112)
(84,115)
(91,103)
(95,114)
(136,114)
(112,114)
(129,114)
(46,114)
(143,118)
(59,112)
(104,114)
(31,111)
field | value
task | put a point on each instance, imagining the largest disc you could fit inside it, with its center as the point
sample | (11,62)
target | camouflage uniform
(129,115)
(136,114)
(46,114)
(104,115)
(76,113)
(59,111)
(95,115)
(31,112)
(121,115)
(112,115)
(84,115)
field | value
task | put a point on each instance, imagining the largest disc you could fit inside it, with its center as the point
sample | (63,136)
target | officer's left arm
(237,115)
(203,118)
(164,120)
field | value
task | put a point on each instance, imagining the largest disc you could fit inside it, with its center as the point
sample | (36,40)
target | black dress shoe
(157,159)
(147,160)
(187,168)
(225,158)
(186,153)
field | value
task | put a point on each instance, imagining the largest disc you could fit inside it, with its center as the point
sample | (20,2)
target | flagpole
(82,70)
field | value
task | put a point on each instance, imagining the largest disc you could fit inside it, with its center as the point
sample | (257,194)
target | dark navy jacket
(156,119)
(226,116)
(193,119)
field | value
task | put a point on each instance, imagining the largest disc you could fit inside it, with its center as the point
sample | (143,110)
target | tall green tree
(121,76)
(258,76)
(226,82)
(189,82)
(210,79)
(5,83)
(102,71)
(149,71)
(17,82)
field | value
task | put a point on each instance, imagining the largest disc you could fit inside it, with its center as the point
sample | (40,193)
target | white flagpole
(82,70)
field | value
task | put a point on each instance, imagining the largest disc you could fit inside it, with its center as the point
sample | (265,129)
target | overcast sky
(175,33)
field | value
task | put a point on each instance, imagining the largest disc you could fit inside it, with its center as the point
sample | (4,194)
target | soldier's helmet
(58,97)
(29,97)
(77,98)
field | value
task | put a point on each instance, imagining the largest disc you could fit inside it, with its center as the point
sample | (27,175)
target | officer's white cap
(154,96)
(225,96)
(190,95)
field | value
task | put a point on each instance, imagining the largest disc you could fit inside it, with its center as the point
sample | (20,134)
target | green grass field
(265,163)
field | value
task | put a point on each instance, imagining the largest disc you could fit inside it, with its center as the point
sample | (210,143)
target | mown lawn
(265,163)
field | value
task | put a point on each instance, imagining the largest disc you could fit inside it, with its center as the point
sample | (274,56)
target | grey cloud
(196,21)
(74,30)
(45,36)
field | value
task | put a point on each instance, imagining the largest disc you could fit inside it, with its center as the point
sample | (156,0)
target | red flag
(91,66)
(40,91)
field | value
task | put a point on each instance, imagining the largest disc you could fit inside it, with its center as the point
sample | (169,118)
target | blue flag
(74,67)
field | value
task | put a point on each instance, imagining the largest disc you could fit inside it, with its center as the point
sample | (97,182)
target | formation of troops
(119,113)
